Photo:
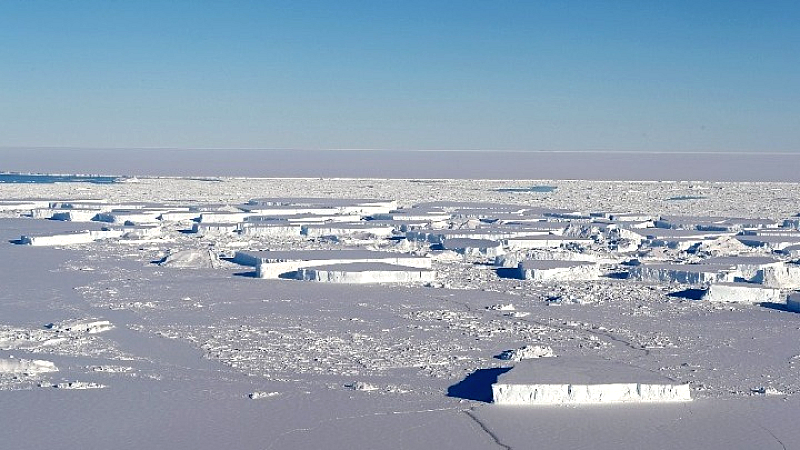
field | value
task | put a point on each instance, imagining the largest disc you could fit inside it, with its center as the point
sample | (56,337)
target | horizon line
(420,150)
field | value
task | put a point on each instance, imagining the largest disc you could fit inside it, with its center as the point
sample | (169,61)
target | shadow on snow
(477,385)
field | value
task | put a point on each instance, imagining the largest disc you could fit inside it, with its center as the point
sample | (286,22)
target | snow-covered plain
(159,340)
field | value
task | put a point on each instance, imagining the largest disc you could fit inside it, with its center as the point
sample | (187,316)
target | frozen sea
(208,357)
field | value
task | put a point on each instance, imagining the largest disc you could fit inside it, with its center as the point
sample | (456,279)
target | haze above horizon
(710,76)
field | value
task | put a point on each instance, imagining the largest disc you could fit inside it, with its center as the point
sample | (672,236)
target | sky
(419,75)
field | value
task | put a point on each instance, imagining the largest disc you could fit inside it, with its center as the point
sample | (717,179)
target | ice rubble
(574,381)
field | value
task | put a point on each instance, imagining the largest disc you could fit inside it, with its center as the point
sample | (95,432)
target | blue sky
(515,75)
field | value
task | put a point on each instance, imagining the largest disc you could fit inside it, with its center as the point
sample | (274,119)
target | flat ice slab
(78,237)
(26,366)
(474,247)
(548,241)
(360,273)
(680,273)
(741,293)
(274,264)
(569,381)
(555,270)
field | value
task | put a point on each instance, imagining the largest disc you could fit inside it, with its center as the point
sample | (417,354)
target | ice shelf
(575,380)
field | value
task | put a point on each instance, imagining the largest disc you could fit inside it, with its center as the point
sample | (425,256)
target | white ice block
(552,270)
(741,293)
(571,381)
(362,273)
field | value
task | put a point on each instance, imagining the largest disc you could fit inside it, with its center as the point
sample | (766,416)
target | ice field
(266,313)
